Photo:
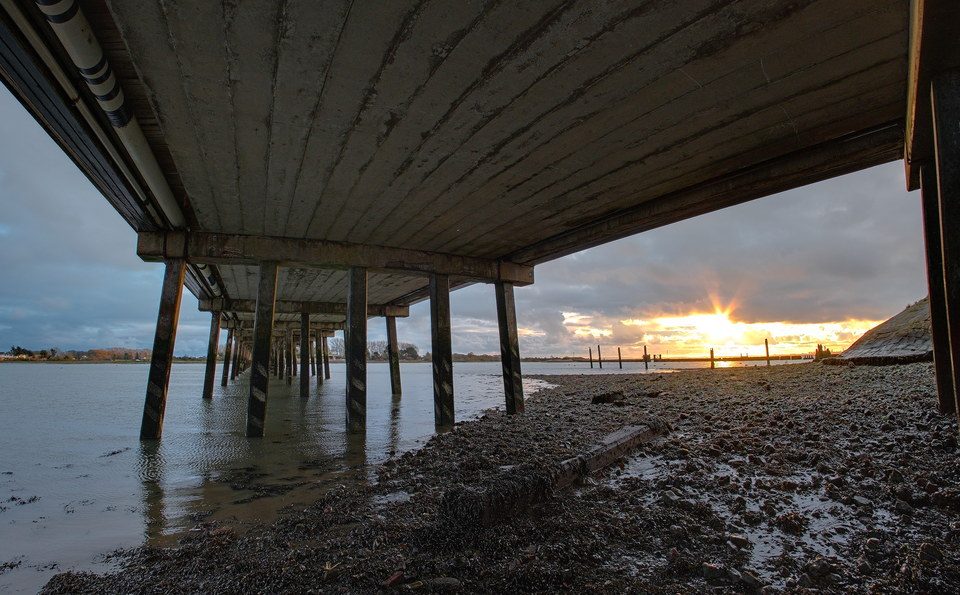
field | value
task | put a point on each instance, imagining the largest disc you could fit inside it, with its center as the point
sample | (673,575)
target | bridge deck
(489,129)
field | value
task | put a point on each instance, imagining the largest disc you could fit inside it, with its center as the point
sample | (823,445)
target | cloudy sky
(817,264)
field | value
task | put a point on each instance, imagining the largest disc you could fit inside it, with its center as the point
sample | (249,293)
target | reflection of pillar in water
(355,455)
(150,470)
(394,425)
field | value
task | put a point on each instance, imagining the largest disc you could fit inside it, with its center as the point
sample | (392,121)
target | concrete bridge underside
(358,153)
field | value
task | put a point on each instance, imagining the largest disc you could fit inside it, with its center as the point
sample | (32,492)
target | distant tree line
(377,350)
(95,355)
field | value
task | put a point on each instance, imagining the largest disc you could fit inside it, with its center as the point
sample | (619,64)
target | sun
(710,328)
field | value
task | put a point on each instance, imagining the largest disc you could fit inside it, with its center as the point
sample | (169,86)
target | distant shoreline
(96,361)
(558,360)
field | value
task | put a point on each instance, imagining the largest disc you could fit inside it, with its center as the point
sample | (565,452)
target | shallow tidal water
(76,483)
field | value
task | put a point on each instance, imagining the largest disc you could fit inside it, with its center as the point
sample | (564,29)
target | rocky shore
(793,477)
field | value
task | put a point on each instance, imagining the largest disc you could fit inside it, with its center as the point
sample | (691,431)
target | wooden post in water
(766,346)
(225,375)
(509,347)
(161,360)
(646,359)
(441,350)
(262,339)
(619,358)
(393,355)
(313,354)
(304,355)
(590,350)
(326,358)
(599,358)
(213,346)
(711,358)
(355,345)
(945,103)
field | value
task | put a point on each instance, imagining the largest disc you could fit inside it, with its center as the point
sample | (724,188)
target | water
(76,482)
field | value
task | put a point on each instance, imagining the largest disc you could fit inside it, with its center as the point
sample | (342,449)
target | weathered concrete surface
(391,125)
(901,339)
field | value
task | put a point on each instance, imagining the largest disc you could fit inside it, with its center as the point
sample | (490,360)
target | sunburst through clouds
(694,333)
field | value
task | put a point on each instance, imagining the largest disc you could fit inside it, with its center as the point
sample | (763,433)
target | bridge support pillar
(280,362)
(393,355)
(294,360)
(318,356)
(262,338)
(162,358)
(509,347)
(441,350)
(225,375)
(288,353)
(355,346)
(938,307)
(311,346)
(235,368)
(945,103)
(212,348)
(304,355)
(326,358)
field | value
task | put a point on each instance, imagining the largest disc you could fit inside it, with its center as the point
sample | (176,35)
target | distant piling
(712,364)
(766,345)
(590,349)
(619,358)
(599,358)
(646,359)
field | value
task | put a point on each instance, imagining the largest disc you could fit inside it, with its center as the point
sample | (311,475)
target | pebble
(738,540)
(930,552)
(713,572)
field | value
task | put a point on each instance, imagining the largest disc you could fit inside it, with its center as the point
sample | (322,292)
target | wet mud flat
(836,478)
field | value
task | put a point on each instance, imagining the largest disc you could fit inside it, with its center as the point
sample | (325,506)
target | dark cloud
(841,249)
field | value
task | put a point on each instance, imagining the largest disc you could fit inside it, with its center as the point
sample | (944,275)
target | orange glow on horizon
(695,333)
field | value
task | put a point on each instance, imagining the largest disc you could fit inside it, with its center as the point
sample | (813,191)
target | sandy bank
(830,477)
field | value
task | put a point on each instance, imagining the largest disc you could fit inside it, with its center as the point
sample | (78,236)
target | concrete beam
(933,48)
(295,307)
(813,164)
(317,326)
(213,248)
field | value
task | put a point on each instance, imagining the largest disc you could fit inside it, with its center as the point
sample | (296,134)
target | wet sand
(829,477)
